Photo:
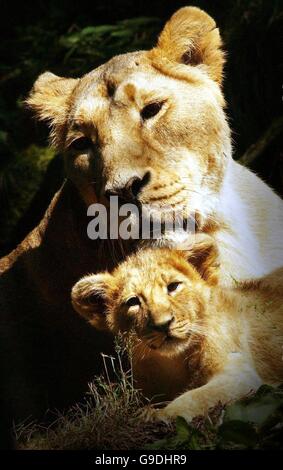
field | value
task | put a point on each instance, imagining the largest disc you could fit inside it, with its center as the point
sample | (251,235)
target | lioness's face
(147,126)
(156,293)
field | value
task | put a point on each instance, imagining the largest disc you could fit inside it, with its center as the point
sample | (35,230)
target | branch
(257,149)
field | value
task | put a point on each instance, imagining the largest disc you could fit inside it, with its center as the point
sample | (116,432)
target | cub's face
(156,293)
(162,301)
(147,126)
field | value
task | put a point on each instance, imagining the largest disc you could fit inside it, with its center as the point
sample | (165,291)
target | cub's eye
(82,143)
(151,110)
(173,286)
(133,301)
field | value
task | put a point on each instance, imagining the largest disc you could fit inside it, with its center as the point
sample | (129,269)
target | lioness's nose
(130,190)
(161,325)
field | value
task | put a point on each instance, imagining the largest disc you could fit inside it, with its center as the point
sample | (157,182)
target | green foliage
(112,418)
(187,437)
(256,409)
(95,44)
(255,422)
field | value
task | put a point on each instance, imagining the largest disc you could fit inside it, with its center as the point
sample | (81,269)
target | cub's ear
(191,37)
(50,98)
(89,298)
(204,256)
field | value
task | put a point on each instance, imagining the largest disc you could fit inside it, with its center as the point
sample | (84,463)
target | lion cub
(196,343)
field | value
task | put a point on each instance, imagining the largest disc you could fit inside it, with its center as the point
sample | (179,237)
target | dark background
(72,37)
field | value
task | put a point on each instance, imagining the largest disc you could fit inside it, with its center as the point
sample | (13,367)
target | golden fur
(181,153)
(105,106)
(220,343)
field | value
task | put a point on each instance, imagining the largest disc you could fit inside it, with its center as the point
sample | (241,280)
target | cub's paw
(173,410)
(151,414)
(170,412)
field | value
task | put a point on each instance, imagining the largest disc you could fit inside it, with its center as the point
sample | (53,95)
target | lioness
(149,126)
(190,334)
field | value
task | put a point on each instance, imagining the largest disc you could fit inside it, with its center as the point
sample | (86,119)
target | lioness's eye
(82,143)
(151,109)
(133,301)
(173,286)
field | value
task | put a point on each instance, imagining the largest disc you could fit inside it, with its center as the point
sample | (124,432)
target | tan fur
(191,36)
(185,147)
(186,150)
(221,343)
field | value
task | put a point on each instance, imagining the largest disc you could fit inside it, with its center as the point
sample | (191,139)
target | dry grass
(109,418)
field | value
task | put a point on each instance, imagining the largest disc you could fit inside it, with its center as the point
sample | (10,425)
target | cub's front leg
(236,380)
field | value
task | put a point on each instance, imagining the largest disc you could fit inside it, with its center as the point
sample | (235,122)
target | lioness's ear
(204,256)
(50,98)
(191,37)
(89,298)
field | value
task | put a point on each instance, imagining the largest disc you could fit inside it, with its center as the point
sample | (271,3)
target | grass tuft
(109,418)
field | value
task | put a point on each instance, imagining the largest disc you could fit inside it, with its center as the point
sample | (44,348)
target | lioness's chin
(174,240)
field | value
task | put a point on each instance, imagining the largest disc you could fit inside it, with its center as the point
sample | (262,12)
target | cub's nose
(162,326)
(131,190)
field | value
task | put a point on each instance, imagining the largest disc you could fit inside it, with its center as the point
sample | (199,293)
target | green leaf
(122,33)
(69,41)
(139,21)
(186,437)
(183,430)
(158,445)
(3,136)
(97,30)
(238,432)
(256,409)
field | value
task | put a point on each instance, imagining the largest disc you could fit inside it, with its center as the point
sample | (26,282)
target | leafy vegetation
(255,422)
(95,44)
